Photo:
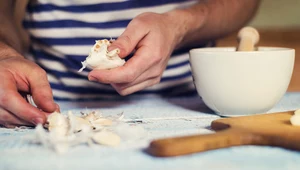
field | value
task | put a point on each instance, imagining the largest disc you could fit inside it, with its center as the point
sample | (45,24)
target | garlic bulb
(100,58)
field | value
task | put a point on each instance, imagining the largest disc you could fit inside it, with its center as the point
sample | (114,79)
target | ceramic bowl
(234,83)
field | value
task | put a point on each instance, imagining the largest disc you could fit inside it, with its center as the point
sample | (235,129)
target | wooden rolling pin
(248,37)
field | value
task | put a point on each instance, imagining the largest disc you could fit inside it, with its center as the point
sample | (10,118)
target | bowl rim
(231,49)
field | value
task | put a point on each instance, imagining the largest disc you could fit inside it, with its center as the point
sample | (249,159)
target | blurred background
(278,22)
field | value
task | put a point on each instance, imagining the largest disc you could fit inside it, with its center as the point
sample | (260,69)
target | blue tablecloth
(162,117)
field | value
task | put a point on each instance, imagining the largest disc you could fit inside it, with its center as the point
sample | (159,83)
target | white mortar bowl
(235,83)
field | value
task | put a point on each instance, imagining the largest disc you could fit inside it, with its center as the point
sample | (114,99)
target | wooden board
(273,129)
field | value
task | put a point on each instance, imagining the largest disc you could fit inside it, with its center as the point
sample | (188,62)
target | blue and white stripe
(62,33)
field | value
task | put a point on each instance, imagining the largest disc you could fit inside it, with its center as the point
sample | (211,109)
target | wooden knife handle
(197,143)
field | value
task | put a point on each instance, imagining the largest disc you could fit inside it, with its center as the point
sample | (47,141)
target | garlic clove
(297,112)
(59,131)
(105,137)
(57,119)
(77,123)
(102,122)
(295,120)
(58,124)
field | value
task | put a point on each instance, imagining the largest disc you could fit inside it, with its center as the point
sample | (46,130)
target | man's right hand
(21,75)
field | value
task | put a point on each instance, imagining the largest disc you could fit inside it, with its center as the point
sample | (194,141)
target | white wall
(278,14)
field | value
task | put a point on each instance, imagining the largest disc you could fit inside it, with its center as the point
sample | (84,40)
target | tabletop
(161,117)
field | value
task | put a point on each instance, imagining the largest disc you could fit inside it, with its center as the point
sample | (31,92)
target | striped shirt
(62,33)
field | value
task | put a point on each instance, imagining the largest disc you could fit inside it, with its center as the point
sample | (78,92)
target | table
(162,117)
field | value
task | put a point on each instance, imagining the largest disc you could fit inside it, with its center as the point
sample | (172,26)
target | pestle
(248,37)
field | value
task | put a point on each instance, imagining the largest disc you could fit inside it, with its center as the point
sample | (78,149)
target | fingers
(142,60)
(14,103)
(153,45)
(17,105)
(129,39)
(41,91)
(9,120)
(126,89)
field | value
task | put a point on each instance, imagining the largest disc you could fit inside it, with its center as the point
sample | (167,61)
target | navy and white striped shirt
(62,33)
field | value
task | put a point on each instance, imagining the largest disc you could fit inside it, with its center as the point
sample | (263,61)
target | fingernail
(37,121)
(92,78)
(57,108)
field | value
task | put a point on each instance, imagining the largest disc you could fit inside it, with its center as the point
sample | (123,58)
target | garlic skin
(100,58)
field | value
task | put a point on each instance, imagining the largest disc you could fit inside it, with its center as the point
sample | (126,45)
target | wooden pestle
(248,37)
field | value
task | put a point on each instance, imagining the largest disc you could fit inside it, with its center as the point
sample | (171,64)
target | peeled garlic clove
(58,124)
(58,131)
(295,120)
(57,119)
(106,138)
(297,112)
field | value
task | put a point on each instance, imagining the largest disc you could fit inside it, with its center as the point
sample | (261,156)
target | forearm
(212,19)
(10,43)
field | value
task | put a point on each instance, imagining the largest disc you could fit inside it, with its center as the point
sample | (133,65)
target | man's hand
(153,37)
(21,75)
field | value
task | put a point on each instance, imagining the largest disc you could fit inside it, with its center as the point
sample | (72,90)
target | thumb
(128,40)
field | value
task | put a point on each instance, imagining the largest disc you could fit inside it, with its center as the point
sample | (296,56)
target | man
(61,33)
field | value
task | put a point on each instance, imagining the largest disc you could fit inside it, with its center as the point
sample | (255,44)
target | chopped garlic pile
(100,58)
(65,131)
(295,119)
